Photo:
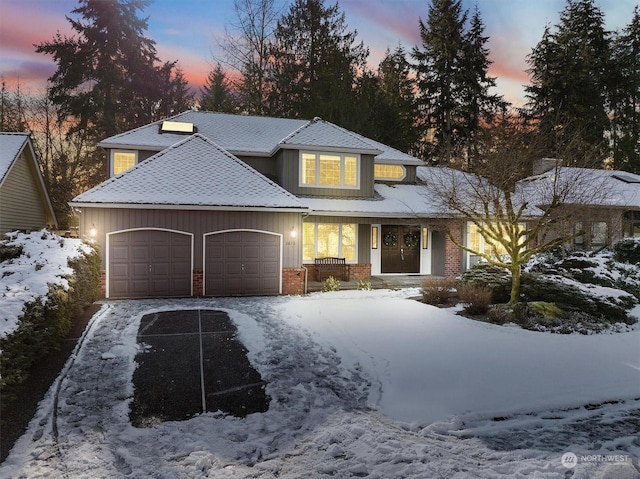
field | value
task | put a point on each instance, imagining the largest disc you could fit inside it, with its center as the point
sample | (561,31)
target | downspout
(306,270)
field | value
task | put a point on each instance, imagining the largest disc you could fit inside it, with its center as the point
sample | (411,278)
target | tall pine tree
(571,74)
(315,64)
(625,97)
(217,94)
(452,79)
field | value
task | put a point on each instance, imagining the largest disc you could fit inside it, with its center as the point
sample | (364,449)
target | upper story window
(383,172)
(332,170)
(122,160)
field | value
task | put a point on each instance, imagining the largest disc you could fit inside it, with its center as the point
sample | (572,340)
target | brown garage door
(242,263)
(149,264)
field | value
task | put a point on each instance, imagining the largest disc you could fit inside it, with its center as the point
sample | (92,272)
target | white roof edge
(125,146)
(167,206)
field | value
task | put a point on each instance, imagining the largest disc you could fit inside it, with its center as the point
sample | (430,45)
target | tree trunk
(515,284)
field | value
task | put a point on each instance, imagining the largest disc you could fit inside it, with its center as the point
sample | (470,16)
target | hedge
(45,322)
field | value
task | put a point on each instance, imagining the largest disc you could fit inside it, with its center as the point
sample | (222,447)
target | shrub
(9,252)
(497,279)
(477,298)
(437,290)
(364,285)
(45,322)
(627,251)
(331,284)
(500,314)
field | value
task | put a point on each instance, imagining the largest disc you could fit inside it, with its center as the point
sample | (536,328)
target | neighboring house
(24,201)
(219,204)
(613,197)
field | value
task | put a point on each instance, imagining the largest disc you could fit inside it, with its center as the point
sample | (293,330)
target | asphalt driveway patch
(192,362)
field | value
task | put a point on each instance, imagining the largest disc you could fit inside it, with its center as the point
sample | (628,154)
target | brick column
(453,254)
(293,280)
(103,283)
(359,271)
(198,283)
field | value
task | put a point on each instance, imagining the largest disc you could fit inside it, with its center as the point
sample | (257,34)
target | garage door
(242,263)
(149,264)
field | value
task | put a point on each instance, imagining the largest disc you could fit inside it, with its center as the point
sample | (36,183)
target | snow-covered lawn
(362,384)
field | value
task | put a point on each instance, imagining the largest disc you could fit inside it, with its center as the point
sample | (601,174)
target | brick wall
(293,280)
(453,254)
(198,283)
(103,283)
(359,271)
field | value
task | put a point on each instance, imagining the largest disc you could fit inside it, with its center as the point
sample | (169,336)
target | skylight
(626,178)
(177,127)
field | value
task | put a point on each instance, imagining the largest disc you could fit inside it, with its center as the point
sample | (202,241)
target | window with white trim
(332,170)
(122,160)
(382,172)
(322,240)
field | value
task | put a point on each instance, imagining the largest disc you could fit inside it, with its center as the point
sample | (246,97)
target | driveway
(191,362)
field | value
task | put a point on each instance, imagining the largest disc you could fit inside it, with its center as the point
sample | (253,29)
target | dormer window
(329,170)
(122,160)
(384,172)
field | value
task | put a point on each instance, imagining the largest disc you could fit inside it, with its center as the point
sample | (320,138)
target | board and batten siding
(107,220)
(288,163)
(21,201)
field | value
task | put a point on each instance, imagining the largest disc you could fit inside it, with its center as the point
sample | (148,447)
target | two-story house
(217,204)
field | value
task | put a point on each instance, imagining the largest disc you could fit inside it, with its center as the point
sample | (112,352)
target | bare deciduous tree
(518,214)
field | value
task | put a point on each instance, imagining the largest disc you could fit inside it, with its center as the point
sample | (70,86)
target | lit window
(389,172)
(123,161)
(478,243)
(322,240)
(329,170)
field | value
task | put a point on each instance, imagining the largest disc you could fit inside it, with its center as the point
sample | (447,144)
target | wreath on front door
(390,239)
(411,240)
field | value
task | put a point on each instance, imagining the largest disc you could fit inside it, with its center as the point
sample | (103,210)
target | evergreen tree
(217,94)
(625,97)
(107,75)
(395,115)
(571,73)
(479,107)
(453,84)
(315,62)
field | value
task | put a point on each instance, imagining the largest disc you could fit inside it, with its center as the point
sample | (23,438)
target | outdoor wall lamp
(293,232)
(93,232)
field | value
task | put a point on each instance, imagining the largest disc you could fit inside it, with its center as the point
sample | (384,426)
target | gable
(194,173)
(24,203)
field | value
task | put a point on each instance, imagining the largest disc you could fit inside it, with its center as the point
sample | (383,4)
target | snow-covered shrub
(436,290)
(49,297)
(364,285)
(627,251)
(331,284)
(476,297)
(497,279)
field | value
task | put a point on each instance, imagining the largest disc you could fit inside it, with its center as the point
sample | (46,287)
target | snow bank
(44,262)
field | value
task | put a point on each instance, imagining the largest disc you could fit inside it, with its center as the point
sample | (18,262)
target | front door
(400,249)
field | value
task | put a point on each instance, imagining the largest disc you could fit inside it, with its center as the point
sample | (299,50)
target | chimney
(545,164)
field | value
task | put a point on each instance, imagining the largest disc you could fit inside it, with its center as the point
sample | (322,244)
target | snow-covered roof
(324,135)
(610,188)
(393,201)
(246,135)
(11,144)
(194,172)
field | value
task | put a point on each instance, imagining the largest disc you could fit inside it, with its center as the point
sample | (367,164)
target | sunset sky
(186,30)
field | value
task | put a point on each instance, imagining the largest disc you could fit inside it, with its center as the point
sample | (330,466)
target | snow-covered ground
(362,384)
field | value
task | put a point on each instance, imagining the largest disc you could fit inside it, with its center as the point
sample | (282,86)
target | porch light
(293,232)
(93,232)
